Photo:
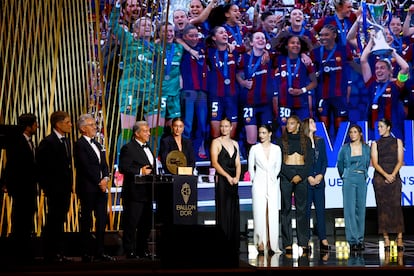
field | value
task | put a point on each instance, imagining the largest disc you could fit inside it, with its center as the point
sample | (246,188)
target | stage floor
(339,257)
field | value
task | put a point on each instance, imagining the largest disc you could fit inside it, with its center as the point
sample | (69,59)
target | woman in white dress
(264,163)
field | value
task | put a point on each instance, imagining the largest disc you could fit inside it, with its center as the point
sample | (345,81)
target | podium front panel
(185,199)
(176,200)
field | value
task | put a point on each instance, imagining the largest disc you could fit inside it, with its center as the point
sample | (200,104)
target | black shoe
(324,257)
(145,254)
(288,250)
(59,259)
(104,258)
(64,259)
(323,247)
(260,252)
(86,258)
(354,247)
(400,248)
(131,256)
(361,246)
(306,249)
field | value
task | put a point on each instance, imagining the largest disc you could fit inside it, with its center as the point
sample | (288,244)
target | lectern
(175,198)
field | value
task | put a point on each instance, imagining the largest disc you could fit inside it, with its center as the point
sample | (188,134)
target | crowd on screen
(259,62)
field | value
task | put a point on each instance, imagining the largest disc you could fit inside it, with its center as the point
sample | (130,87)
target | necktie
(63,139)
(31,145)
(96,148)
(148,152)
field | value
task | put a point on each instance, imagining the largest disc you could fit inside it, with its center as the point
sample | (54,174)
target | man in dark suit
(92,177)
(21,184)
(176,141)
(54,160)
(136,158)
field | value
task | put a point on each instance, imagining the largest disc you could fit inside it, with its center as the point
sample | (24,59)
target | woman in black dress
(225,158)
(387,157)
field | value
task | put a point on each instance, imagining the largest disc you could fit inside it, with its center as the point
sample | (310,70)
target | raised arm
(407,29)
(204,14)
(351,37)
(365,67)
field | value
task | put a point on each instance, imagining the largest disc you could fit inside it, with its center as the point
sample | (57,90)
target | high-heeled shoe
(288,250)
(324,247)
(386,243)
(260,250)
(400,245)
(307,249)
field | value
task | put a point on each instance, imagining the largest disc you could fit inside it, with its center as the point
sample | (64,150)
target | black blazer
(319,159)
(131,159)
(55,167)
(168,144)
(20,175)
(89,170)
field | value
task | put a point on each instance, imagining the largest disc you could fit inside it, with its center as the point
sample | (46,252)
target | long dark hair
(280,43)
(217,16)
(359,129)
(306,129)
(303,138)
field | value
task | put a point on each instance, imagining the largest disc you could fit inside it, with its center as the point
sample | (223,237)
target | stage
(209,259)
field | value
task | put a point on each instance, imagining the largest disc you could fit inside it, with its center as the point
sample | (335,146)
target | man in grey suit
(136,158)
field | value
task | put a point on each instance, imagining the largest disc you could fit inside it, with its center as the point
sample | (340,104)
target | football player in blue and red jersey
(295,80)
(194,95)
(222,86)
(385,90)
(332,63)
(257,82)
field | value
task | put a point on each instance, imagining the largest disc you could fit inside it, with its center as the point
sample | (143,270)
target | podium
(175,198)
(180,242)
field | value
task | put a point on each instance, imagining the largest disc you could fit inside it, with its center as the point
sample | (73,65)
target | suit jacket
(55,167)
(168,144)
(89,170)
(20,174)
(131,159)
(319,159)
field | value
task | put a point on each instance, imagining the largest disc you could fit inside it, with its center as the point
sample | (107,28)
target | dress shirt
(94,146)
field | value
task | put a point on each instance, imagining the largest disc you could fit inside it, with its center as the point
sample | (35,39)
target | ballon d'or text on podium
(185,199)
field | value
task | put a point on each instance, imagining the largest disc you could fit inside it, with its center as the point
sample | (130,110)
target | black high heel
(288,250)
(307,249)
(386,241)
(260,252)
(400,248)
(324,247)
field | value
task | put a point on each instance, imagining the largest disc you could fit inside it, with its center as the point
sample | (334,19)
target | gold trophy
(378,15)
